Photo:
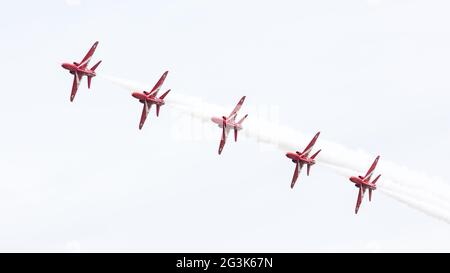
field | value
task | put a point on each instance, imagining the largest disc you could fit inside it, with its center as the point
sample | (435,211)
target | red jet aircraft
(363,183)
(78,70)
(228,123)
(302,158)
(149,98)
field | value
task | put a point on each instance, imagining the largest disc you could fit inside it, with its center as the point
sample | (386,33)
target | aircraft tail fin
(96,65)
(239,123)
(308,168)
(158,106)
(314,155)
(242,119)
(165,94)
(376,179)
(93,69)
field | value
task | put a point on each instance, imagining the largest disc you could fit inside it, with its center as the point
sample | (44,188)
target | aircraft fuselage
(358,180)
(297,157)
(150,99)
(74,68)
(228,123)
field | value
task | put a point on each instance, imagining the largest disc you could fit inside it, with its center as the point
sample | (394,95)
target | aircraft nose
(66,66)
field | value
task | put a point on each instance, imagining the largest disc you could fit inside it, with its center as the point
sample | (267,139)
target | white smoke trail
(413,198)
(430,195)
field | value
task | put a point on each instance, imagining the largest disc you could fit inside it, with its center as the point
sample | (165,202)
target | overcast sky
(80,176)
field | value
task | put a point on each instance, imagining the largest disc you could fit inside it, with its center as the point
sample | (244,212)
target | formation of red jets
(227,123)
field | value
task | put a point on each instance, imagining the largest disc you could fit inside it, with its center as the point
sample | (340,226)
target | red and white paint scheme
(149,98)
(228,123)
(78,70)
(303,158)
(364,183)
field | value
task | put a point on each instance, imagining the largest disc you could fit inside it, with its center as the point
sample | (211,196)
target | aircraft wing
(310,145)
(75,85)
(360,198)
(84,63)
(158,85)
(236,109)
(298,169)
(223,140)
(371,169)
(145,109)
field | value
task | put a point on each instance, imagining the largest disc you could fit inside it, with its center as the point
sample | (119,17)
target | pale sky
(371,75)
